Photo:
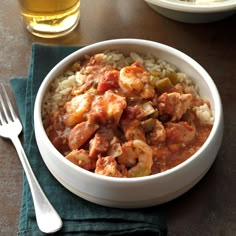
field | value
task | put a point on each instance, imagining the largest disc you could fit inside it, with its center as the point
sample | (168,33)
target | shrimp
(81,158)
(137,156)
(135,80)
(109,167)
(76,109)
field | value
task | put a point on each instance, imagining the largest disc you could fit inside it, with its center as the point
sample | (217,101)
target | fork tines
(7,113)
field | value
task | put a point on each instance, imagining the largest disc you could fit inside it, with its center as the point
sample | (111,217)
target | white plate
(200,11)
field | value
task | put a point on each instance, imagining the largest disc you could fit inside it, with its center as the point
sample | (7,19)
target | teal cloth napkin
(79,216)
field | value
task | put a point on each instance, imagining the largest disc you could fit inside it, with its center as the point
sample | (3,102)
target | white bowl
(140,191)
(201,11)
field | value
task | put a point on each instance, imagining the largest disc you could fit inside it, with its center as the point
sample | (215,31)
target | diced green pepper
(154,80)
(148,125)
(163,84)
(173,78)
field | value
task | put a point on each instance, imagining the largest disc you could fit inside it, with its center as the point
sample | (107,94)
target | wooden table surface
(210,207)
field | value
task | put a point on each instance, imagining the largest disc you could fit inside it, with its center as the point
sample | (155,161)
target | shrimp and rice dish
(125,115)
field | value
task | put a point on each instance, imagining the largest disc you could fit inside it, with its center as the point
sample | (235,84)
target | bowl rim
(218,113)
(178,5)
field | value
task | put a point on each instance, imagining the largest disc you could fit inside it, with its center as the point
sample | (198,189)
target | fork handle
(46,216)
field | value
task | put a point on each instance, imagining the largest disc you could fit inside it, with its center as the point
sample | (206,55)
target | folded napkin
(79,216)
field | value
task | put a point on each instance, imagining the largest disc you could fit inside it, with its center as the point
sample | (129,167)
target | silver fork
(10,127)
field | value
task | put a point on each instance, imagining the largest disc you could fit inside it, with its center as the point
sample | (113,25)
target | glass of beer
(50,18)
